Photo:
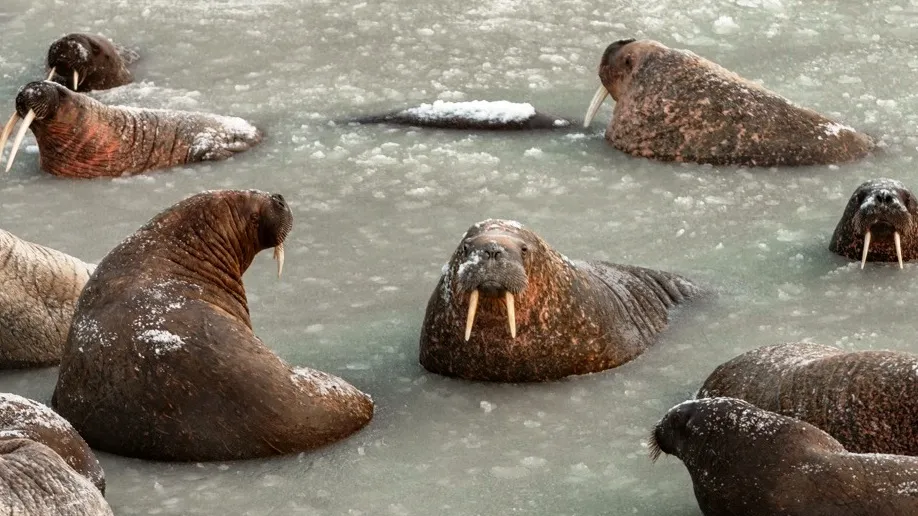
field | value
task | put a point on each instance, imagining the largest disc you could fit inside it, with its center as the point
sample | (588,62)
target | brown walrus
(161,361)
(23,418)
(510,308)
(81,137)
(35,481)
(40,287)
(880,216)
(499,115)
(87,62)
(747,461)
(868,400)
(673,105)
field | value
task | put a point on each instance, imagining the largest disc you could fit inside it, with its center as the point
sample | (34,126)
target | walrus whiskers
(653,446)
(470,318)
(279,256)
(598,98)
(7,130)
(511,312)
(26,122)
(866,248)
(898,240)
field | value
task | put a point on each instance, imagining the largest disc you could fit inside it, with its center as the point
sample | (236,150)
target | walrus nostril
(279,199)
(885,197)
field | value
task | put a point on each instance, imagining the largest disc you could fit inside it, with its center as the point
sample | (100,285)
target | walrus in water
(161,361)
(673,105)
(81,137)
(868,400)
(40,287)
(509,308)
(22,418)
(879,216)
(499,115)
(88,62)
(747,461)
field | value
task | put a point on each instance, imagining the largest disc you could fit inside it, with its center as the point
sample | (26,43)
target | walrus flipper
(648,292)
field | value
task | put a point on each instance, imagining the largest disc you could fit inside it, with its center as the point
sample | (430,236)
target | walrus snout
(36,100)
(276,223)
(672,429)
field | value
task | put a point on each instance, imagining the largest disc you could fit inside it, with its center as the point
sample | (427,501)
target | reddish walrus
(880,223)
(161,361)
(81,137)
(88,62)
(673,105)
(868,400)
(745,461)
(509,308)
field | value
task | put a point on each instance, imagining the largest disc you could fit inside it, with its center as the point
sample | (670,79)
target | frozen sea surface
(378,210)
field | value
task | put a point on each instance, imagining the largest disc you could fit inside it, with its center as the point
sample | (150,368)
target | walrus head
(491,269)
(38,100)
(75,57)
(615,67)
(879,216)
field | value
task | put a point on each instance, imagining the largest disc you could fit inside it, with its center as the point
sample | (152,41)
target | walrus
(40,287)
(879,216)
(161,361)
(746,460)
(35,481)
(509,308)
(498,115)
(868,400)
(673,105)
(81,137)
(27,419)
(88,62)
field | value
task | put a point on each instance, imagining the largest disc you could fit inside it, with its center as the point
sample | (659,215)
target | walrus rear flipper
(476,115)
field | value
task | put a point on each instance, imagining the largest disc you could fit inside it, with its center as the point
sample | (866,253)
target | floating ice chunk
(725,25)
(501,111)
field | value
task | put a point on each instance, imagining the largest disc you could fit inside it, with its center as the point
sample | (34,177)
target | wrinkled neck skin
(52,276)
(85,138)
(207,252)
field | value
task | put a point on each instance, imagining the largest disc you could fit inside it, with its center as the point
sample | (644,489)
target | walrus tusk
(866,248)
(598,97)
(279,256)
(511,313)
(76,80)
(26,122)
(898,241)
(7,130)
(470,318)
(51,74)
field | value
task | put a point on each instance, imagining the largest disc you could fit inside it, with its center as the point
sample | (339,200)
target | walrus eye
(523,250)
(465,249)
(96,50)
(628,61)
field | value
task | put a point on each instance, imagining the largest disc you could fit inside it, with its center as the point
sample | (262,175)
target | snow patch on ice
(500,111)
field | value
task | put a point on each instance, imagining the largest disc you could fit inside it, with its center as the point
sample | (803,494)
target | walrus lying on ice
(81,137)
(673,105)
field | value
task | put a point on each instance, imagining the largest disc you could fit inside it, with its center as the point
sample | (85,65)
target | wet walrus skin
(540,316)
(35,481)
(745,461)
(82,138)
(27,419)
(868,400)
(162,363)
(673,105)
(882,216)
(39,288)
(86,62)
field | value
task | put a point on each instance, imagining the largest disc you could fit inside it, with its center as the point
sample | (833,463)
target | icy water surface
(379,210)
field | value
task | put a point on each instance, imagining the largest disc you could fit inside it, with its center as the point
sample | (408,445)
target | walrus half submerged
(80,137)
(673,105)
(509,308)
(162,362)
